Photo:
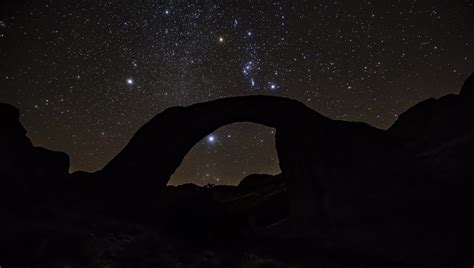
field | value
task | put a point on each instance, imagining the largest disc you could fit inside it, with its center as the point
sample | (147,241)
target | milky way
(87,74)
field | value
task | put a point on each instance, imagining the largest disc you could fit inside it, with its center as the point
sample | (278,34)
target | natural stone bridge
(328,164)
(158,148)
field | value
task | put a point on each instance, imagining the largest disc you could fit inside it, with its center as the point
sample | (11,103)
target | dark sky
(87,74)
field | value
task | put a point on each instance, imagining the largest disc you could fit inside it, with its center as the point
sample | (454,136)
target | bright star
(211,139)
(221,39)
(167,12)
(273,86)
(130,81)
(249,33)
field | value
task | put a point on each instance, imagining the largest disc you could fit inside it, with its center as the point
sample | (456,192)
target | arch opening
(228,155)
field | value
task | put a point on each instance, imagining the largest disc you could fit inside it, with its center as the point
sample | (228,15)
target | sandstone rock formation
(330,166)
(433,123)
(26,171)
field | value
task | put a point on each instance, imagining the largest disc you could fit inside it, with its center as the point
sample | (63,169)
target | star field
(87,74)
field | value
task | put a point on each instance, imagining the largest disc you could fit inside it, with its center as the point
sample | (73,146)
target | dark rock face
(435,122)
(13,137)
(26,170)
(258,181)
(441,134)
(467,91)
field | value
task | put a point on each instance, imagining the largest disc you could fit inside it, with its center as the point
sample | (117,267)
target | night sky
(87,74)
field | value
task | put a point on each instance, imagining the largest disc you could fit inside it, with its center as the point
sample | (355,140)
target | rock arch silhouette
(328,164)
(158,147)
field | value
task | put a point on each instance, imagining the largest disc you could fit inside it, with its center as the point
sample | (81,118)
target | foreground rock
(26,171)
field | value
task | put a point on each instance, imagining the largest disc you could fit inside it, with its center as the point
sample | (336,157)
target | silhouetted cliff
(26,171)
(436,122)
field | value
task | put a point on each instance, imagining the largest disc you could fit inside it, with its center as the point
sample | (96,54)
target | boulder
(259,181)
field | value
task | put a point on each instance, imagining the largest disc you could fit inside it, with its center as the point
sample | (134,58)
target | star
(130,81)
(221,39)
(273,86)
(211,139)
